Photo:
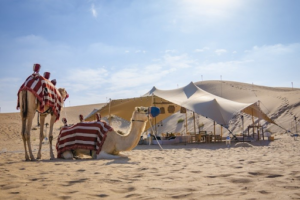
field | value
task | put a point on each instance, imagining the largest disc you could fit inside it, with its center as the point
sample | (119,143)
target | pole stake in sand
(228,141)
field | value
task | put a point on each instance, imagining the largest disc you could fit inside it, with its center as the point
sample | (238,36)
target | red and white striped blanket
(83,135)
(45,92)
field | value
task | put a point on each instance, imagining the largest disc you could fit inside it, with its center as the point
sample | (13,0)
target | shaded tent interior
(124,108)
(188,97)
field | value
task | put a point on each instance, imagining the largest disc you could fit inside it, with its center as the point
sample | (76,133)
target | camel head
(63,93)
(140,114)
(143,113)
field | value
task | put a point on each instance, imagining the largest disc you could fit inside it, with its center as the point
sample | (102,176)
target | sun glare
(210,7)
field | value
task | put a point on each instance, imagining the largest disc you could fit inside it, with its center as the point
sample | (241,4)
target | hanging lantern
(47,75)
(171,109)
(154,111)
(36,68)
(53,82)
(162,110)
(182,110)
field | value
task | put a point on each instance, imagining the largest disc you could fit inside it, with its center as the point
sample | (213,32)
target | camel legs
(26,136)
(23,137)
(42,122)
(52,120)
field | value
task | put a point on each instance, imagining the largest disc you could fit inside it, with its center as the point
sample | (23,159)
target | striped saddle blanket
(45,92)
(83,135)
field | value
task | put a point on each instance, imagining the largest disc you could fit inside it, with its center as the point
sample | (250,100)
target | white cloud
(181,61)
(85,79)
(277,49)
(201,50)
(211,8)
(220,51)
(267,64)
(32,40)
(140,51)
(228,66)
(105,49)
(139,76)
(170,51)
(94,11)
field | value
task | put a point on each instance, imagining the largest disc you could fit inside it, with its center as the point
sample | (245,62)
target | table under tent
(189,97)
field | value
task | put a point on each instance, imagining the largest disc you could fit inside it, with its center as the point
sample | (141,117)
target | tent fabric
(190,97)
(206,104)
(124,108)
(92,115)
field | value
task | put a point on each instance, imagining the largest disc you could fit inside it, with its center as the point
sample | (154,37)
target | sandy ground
(258,170)
(254,170)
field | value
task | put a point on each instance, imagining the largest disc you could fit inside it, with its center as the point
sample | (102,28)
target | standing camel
(114,142)
(39,94)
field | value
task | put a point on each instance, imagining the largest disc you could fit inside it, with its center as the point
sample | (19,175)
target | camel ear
(138,109)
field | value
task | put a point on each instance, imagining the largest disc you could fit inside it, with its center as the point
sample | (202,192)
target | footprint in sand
(101,195)
(240,180)
(130,196)
(124,190)
(70,183)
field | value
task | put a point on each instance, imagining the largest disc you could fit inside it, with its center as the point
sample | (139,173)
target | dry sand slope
(257,170)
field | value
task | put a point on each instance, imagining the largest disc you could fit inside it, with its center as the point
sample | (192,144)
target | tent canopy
(190,97)
(206,104)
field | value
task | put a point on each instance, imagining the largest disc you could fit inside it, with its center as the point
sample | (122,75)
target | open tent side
(124,108)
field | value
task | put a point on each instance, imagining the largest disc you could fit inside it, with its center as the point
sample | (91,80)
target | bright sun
(210,7)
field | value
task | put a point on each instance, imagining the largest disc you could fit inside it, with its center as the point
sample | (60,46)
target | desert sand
(251,170)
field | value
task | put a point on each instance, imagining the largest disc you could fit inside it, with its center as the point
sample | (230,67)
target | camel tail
(24,103)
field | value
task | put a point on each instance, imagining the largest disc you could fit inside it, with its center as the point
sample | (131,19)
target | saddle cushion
(45,92)
(83,135)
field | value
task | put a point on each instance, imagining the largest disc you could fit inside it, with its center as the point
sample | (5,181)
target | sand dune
(256,170)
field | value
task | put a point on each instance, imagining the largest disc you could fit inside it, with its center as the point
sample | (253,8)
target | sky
(113,49)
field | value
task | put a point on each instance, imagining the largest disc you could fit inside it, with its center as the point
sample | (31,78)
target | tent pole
(233,136)
(155,126)
(185,123)
(194,123)
(215,131)
(221,132)
(242,117)
(153,122)
(109,121)
(252,117)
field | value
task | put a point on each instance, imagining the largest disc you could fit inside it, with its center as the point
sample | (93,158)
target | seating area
(190,137)
(205,137)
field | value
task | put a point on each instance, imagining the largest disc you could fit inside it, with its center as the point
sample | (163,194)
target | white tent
(190,97)
(206,104)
